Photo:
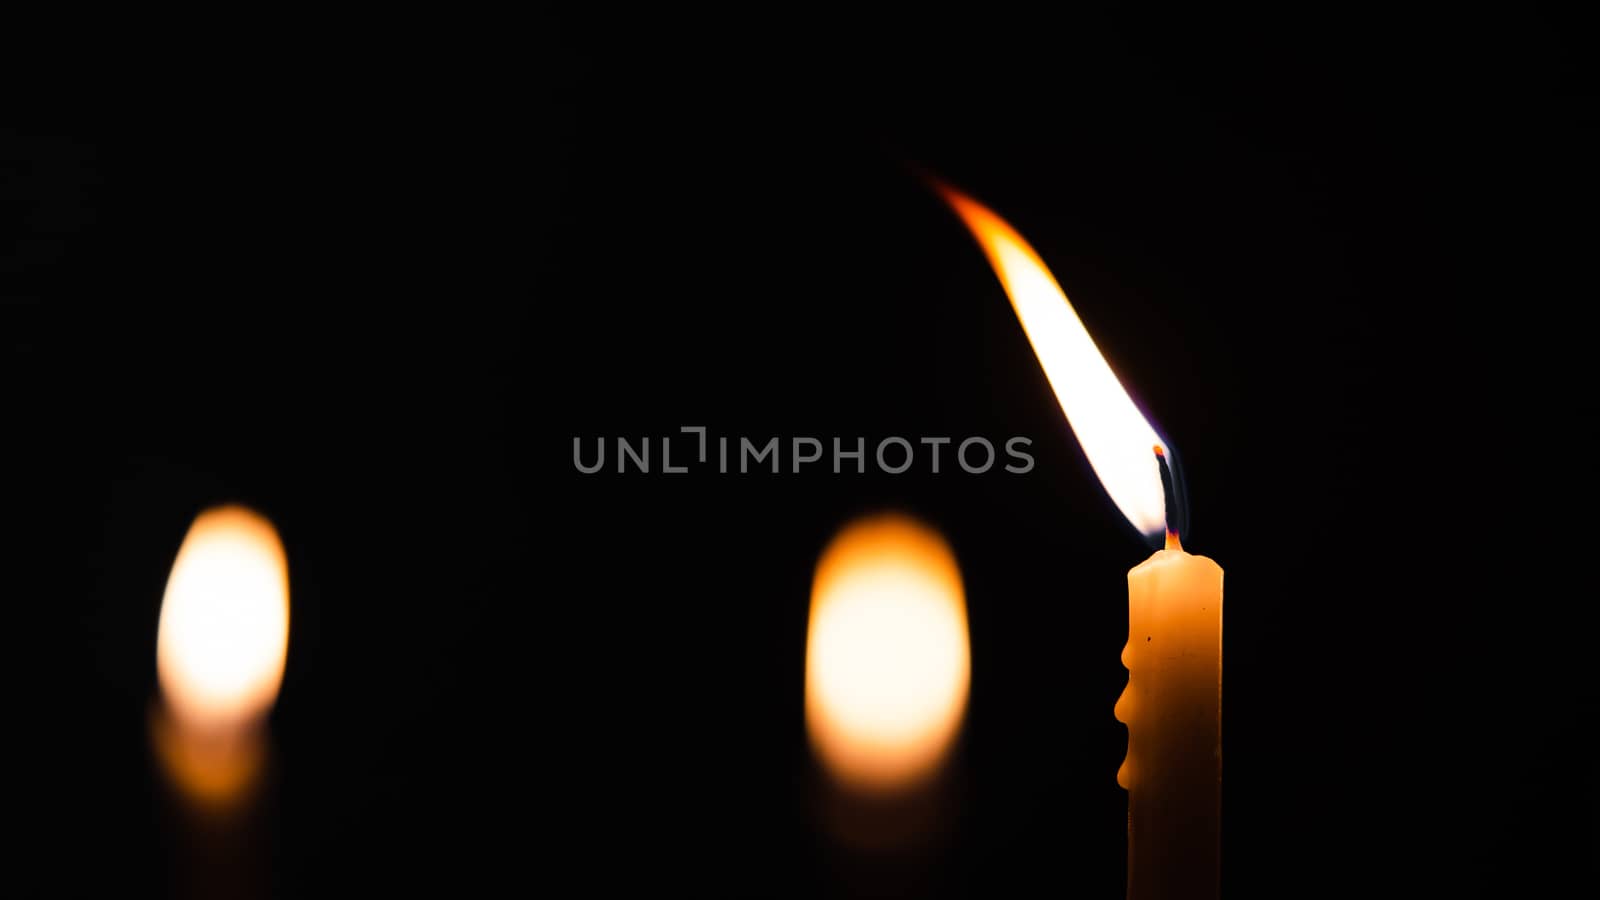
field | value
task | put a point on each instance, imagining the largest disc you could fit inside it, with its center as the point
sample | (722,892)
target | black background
(374,278)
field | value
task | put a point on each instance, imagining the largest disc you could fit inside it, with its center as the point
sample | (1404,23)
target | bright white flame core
(1115,436)
(224,631)
(887,658)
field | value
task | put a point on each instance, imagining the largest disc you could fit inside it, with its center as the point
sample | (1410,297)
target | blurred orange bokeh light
(888,665)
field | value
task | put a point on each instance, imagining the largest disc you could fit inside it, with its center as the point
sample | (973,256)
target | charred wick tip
(1170,494)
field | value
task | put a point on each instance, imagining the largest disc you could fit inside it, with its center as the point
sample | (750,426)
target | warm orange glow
(1115,436)
(888,665)
(220,650)
(216,772)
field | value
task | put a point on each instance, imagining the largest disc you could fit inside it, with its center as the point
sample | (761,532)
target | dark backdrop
(374,280)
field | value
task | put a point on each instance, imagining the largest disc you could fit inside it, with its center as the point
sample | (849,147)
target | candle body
(1173,709)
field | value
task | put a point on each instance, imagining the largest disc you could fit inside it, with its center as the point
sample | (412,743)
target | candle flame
(221,646)
(888,665)
(1114,435)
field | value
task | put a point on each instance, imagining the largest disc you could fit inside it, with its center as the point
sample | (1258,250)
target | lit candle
(1173,702)
(888,668)
(221,646)
(1173,709)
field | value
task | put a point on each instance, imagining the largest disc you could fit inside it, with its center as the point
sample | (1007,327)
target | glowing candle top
(224,631)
